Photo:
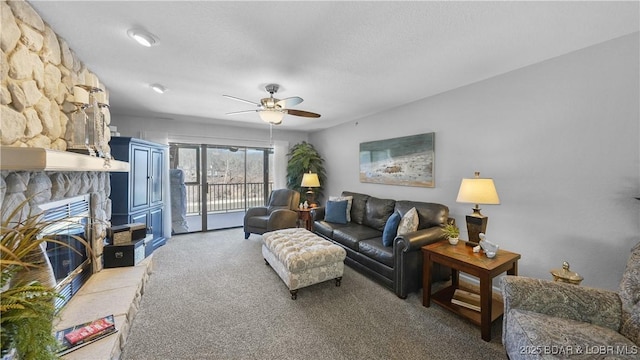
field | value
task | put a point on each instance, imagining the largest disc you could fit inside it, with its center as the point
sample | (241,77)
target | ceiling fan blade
(243,100)
(241,112)
(289,102)
(302,113)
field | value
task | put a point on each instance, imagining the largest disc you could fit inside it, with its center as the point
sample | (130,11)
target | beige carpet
(211,296)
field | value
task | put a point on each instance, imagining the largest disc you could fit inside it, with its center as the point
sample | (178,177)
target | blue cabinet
(137,196)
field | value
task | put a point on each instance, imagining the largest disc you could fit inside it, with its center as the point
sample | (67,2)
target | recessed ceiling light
(143,37)
(158,88)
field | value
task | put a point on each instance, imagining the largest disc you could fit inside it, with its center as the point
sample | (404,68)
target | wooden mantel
(39,159)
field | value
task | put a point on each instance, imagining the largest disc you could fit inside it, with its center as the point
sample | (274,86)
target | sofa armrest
(317,213)
(596,306)
(413,241)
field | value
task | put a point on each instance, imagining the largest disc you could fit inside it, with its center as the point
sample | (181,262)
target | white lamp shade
(310,180)
(271,116)
(478,191)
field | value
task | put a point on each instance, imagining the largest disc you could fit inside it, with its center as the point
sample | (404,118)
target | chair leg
(246,235)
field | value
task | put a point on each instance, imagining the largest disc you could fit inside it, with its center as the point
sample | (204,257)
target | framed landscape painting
(404,161)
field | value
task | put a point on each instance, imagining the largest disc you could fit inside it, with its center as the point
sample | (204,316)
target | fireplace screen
(71,268)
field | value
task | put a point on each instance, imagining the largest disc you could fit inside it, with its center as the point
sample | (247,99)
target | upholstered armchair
(547,320)
(280,213)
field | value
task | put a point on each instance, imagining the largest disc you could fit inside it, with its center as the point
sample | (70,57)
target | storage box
(123,255)
(125,234)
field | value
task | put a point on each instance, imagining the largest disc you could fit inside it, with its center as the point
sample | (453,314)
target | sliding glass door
(221,182)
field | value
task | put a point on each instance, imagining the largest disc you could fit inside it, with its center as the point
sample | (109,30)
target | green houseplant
(452,232)
(27,307)
(304,158)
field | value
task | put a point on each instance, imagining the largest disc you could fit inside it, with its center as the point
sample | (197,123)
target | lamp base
(311,199)
(476,224)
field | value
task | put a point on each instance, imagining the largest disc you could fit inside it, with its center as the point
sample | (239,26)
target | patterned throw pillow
(391,229)
(336,212)
(349,202)
(409,222)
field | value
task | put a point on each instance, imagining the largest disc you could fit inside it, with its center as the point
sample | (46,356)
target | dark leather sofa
(397,267)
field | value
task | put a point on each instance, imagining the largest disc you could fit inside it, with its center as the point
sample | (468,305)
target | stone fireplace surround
(43,187)
(115,291)
(38,71)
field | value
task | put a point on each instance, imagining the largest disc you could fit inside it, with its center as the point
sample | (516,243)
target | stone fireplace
(38,73)
(44,187)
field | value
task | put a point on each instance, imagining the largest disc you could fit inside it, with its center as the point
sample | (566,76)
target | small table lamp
(310,180)
(477,191)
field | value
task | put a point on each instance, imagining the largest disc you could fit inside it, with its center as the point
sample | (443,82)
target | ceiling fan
(272,110)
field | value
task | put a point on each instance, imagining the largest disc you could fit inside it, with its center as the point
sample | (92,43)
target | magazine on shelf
(467,299)
(80,335)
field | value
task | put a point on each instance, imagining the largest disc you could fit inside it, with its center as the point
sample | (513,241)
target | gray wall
(561,141)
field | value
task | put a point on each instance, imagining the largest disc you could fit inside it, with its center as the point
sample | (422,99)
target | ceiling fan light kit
(272,116)
(272,110)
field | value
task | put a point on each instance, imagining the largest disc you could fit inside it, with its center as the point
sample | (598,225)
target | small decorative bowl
(490,254)
(453,241)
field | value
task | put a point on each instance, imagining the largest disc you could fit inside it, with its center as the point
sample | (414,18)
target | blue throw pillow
(390,229)
(336,212)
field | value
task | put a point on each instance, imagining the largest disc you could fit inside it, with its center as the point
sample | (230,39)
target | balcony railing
(227,197)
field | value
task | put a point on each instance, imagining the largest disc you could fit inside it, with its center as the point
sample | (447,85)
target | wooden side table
(304,216)
(462,258)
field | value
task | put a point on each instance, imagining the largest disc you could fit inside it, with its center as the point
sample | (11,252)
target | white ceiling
(345,59)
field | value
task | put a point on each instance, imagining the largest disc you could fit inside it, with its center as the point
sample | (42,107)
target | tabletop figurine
(490,249)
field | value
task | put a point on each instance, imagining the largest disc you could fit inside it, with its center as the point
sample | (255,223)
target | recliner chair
(280,213)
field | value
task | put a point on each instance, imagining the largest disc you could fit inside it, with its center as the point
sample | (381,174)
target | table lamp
(477,191)
(310,180)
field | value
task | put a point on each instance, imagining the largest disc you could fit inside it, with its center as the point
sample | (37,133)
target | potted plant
(27,307)
(304,158)
(452,232)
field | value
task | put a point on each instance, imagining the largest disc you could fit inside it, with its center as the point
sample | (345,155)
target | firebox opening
(71,268)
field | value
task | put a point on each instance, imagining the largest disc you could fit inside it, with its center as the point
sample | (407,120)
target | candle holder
(102,136)
(95,124)
(77,131)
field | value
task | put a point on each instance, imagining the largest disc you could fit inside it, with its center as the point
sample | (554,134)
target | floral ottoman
(302,258)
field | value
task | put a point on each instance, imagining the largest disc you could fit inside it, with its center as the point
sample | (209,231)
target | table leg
(485,307)
(455,278)
(426,280)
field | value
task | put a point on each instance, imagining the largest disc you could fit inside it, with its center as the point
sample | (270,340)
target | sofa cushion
(429,214)
(350,235)
(357,206)
(336,212)
(349,203)
(377,212)
(375,249)
(532,330)
(409,222)
(391,229)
